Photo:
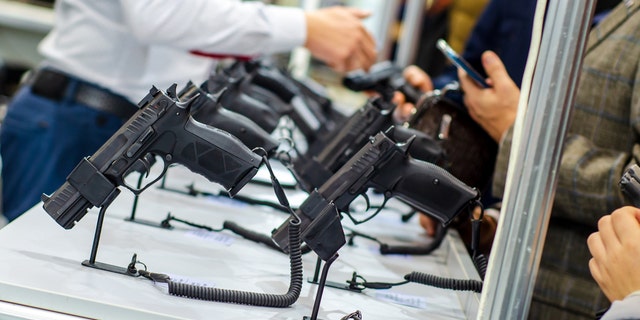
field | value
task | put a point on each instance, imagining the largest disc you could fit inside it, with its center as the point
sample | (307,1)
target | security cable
(243,297)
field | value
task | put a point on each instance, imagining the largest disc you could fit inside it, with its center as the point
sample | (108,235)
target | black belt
(54,85)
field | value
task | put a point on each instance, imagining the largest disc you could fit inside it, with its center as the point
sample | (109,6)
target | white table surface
(41,264)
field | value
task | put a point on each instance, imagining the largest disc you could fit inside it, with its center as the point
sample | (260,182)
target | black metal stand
(321,285)
(134,208)
(331,284)
(92,263)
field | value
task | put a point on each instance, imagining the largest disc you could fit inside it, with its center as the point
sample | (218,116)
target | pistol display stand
(331,284)
(92,263)
(321,285)
(134,208)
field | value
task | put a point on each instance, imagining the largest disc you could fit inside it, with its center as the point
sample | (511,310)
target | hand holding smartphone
(460,62)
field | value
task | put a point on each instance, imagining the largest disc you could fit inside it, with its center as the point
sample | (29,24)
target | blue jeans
(42,140)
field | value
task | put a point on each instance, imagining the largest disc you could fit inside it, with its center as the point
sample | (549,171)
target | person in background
(601,143)
(102,57)
(504,26)
(616,257)
(452,20)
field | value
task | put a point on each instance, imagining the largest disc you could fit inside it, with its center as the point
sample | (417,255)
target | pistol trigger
(144,161)
(366,199)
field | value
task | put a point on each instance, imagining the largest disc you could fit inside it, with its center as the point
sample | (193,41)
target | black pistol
(630,185)
(163,126)
(235,99)
(323,158)
(383,77)
(206,108)
(384,165)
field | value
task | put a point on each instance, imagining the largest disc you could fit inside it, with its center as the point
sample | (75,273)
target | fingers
(337,36)
(606,233)
(359,13)
(598,276)
(495,69)
(416,77)
(625,224)
(468,85)
(365,54)
(596,247)
(428,224)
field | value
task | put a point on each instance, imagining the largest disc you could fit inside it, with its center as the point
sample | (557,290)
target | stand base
(336,285)
(107,267)
(149,223)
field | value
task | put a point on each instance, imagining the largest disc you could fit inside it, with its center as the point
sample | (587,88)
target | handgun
(162,126)
(313,169)
(307,117)
(206,108)
(630,185)
(383,77)
(385,166)
(237,100)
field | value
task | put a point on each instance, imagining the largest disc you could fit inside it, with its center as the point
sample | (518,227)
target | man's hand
(428,224)
(494,108)
(337,36)
(417,78)
(616,253)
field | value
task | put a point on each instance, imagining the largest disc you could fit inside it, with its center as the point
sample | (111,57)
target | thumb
(637,214)
(359,13)
(494,67)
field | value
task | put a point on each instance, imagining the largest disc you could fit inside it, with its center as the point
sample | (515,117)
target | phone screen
(457,60)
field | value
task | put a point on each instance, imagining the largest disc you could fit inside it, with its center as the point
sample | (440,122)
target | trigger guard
(138,190)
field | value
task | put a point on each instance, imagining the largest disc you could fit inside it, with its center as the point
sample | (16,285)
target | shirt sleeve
(216,26)
(624,309)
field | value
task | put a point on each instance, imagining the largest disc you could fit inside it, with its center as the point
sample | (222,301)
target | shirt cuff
(288,26)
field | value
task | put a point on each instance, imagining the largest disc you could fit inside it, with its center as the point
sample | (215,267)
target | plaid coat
(602,141)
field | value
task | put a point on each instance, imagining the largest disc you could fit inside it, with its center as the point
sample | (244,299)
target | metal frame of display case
(543,116)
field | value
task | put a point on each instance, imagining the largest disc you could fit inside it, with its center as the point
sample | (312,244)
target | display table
(41,266)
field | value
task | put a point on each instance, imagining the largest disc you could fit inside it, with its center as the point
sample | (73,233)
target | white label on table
(212,236)
(403,299)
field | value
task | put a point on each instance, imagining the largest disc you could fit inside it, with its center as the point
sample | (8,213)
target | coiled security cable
(244,297)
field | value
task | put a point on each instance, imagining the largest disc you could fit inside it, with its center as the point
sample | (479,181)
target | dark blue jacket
(504,27)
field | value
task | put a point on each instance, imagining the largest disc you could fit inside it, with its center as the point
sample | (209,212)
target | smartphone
(460,62)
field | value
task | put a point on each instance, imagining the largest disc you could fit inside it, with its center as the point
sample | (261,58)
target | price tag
(212,236)
(403,299)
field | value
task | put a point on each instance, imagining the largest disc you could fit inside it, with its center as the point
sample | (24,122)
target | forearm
(220,27)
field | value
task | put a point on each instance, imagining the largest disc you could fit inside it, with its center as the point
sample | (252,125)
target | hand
(616,253)
(417,78)
(428,223)
(494,108)
(337,36)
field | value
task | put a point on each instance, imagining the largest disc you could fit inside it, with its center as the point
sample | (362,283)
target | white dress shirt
(128,46)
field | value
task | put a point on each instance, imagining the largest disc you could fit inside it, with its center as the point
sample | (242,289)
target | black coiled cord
(480,262)
(445,283)
(252,298)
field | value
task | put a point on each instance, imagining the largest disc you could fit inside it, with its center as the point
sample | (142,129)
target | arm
(334,35)
(216,26)
(602,139)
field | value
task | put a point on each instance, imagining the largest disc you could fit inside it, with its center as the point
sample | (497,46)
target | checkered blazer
(602,141)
